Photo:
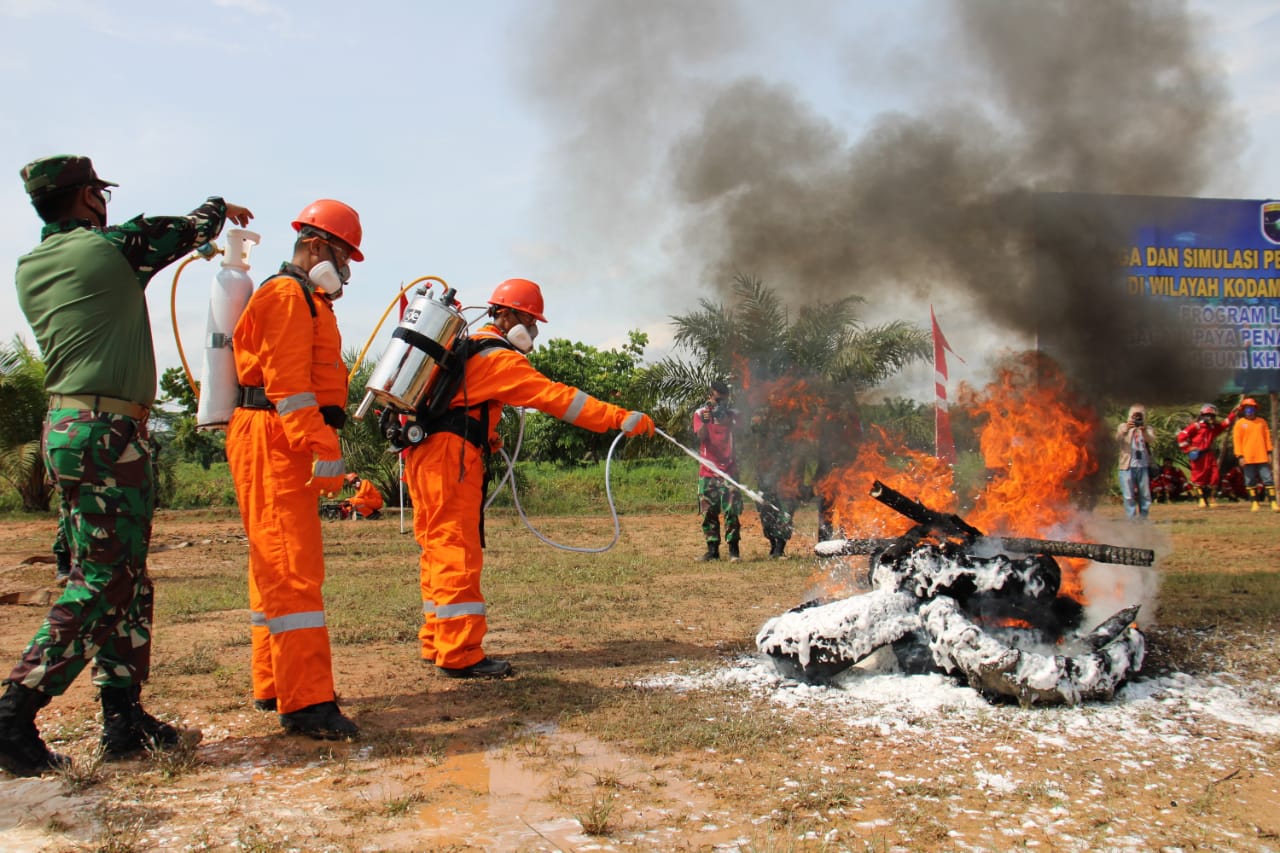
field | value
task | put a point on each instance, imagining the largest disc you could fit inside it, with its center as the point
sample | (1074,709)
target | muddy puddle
(542,790)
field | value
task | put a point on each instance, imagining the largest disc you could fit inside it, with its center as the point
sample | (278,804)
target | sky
(632,158)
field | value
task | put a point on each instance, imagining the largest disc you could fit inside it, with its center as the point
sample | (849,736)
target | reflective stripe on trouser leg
(263,676)
(101,464)
(446,522)
(286,561)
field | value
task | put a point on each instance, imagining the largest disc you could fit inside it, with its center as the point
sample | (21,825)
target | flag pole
(943,442)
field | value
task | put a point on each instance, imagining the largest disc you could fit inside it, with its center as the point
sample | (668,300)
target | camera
(1138,419)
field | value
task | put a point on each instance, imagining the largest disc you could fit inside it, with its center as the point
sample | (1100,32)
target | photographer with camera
(1135,439)
(714,425)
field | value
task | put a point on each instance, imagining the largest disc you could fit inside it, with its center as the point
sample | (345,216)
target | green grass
(669,485)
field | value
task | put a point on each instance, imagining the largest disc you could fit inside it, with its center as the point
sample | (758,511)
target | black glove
(334,416)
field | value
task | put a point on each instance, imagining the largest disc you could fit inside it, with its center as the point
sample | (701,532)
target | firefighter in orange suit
(282,445)
(445,473)
(367,500)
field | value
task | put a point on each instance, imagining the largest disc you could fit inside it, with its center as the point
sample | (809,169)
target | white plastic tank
(232,287)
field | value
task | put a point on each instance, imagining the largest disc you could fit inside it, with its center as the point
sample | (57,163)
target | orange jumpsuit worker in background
(367,500)
(282,445)
(445,473)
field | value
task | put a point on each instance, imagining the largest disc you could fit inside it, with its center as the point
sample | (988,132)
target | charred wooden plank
(944,524)
(1095,551)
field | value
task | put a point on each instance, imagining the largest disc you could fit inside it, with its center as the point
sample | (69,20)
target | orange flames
(1036,443)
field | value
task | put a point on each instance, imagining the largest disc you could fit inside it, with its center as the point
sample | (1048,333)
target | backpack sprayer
(420,366)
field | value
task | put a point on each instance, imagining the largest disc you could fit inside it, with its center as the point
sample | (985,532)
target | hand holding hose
(637,423)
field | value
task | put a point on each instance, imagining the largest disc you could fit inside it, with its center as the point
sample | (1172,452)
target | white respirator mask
(328,279)
(521,337)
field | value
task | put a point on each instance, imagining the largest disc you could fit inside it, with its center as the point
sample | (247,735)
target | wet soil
(551,760)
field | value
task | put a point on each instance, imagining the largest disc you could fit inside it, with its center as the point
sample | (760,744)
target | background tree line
(806,377)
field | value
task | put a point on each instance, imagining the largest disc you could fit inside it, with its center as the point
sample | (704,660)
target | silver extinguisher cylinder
(410,365)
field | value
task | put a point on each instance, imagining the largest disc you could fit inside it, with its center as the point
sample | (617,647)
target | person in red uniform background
(1196,440)
(282,445)
(445,473)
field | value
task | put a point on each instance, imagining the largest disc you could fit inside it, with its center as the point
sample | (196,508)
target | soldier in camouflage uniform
(83,292)
(714,425)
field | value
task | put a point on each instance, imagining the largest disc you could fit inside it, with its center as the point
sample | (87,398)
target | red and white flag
(943,442)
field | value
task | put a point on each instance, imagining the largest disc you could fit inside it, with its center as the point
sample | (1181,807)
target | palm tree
(23,403)
(756,340)
(798,379)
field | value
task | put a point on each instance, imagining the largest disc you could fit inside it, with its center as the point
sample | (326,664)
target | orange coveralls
(447,501)
(297,358)
(367,500)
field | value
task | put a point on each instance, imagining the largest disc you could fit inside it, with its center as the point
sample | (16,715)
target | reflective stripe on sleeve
(329,468)
(296,401)
(257,619)
(632,421)
(470,608)
(296,621)
(575,408)
(428,608)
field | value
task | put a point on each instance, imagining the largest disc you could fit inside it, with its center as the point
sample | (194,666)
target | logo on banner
(1271,221)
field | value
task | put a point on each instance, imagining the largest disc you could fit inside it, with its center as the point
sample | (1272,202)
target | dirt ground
(638,720)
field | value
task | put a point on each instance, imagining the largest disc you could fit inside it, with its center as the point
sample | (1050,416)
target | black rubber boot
(734,556)
(322,721)
(127,729)
(22,752)
(713,552)
(486,667)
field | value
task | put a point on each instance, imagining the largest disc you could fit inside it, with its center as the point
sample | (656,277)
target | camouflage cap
(61,170)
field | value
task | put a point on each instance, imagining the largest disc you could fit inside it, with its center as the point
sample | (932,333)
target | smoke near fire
(943,202)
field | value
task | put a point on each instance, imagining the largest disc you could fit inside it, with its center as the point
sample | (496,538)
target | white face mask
(327,279)
(521,337)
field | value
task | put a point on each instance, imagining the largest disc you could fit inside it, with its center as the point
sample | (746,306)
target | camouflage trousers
(715,498)
(776,516)
(102,466)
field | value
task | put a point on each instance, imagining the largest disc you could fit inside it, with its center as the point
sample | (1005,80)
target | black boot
(127,729)
(323,721)
(713,552)
(22,752)
(777,549)
(734,556)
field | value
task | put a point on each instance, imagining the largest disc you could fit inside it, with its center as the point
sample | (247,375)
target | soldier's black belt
(99,403)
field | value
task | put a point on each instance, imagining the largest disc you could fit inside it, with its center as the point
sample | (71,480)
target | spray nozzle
(447,296)
(239,242)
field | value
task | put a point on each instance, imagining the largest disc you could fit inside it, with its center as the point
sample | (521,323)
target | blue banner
(1218,262)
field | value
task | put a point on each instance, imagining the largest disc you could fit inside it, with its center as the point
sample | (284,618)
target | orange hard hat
(1249,401)
(520,294)
(333,218)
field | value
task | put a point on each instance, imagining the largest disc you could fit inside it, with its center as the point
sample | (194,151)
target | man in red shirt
(714,425)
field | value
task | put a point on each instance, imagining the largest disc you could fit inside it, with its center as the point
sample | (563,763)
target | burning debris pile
(988,610)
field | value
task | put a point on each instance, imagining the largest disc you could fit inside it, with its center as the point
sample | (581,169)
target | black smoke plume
(977,193)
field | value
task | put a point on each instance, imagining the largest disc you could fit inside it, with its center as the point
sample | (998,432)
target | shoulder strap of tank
(475,346)
(302,283)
